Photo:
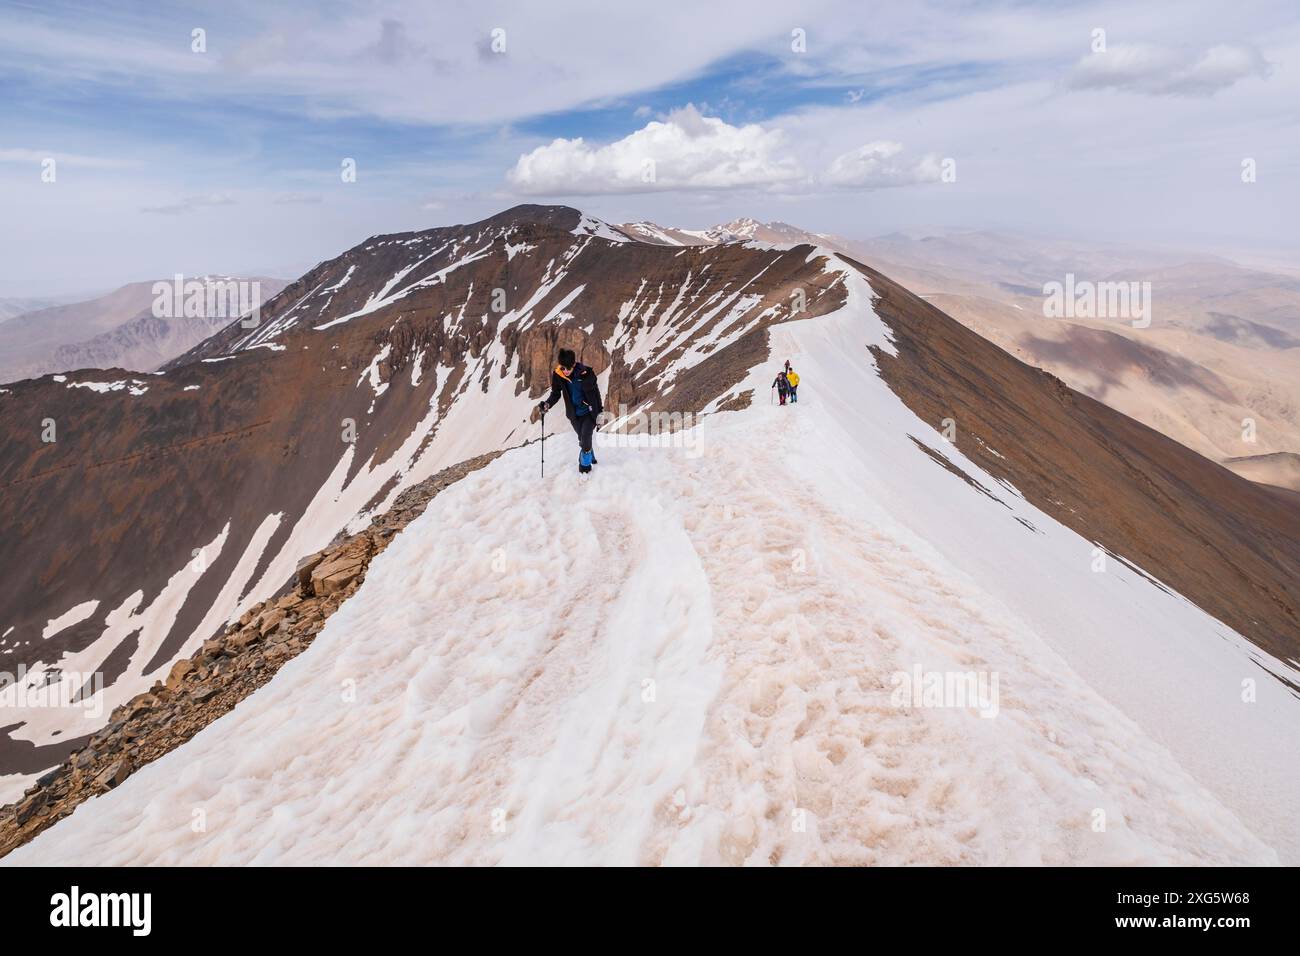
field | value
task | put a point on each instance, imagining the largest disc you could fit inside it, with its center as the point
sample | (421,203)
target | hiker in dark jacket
(782,386)
(577,384)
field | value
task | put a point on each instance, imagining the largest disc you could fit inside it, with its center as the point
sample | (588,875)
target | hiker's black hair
(567,358)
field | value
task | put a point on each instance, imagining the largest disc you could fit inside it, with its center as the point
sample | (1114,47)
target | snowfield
(694,657)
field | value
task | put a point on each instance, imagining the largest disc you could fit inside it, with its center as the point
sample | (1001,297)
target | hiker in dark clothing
(782,386)
(577,383)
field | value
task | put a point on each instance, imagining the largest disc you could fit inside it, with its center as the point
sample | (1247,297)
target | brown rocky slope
(225,670)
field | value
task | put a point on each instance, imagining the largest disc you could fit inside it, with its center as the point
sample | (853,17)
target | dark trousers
(585,426)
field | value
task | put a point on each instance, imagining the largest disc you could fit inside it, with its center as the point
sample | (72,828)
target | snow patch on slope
(132,386)
(68,618)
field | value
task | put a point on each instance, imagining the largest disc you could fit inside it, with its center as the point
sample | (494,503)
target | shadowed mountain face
(166,504)
(1230,328)
(1112,357)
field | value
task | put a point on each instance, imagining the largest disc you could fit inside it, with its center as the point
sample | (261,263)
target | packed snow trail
(691,658)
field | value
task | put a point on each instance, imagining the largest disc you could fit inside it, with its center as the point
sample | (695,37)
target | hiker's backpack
(575,391)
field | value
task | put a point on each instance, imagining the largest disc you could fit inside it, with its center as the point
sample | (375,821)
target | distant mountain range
(11,307)
(115,330)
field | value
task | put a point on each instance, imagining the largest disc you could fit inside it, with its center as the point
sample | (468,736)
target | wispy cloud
(1158,71)
(296,199)
(190,204)
(38,156)
(351,60)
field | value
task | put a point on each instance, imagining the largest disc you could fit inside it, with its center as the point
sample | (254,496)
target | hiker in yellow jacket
(793,378)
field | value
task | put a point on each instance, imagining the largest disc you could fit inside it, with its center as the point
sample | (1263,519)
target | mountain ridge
(669,651)
(389,362)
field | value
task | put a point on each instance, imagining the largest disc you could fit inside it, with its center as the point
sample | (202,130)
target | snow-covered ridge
(591,226)
(648,230)
(744,231)
(695,657)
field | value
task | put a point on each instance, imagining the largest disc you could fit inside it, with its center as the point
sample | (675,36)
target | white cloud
(686,150)
(880,164)
(1157,71)
(690,151)
(72,159)
(296,199)
(189,204)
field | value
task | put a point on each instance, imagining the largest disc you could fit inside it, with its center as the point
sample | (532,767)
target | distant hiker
(782,386)
(787,366)
(792,378)
(577,383)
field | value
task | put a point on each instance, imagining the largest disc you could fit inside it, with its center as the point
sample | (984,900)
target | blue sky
(228,159)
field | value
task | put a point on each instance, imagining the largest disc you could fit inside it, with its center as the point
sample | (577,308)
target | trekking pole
(543,441)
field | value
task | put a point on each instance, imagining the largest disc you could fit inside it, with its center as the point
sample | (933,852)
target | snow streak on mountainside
(695,657)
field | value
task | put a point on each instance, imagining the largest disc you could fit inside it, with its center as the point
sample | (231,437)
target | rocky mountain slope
(170,504)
